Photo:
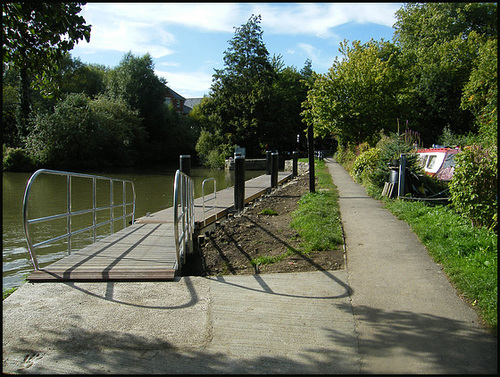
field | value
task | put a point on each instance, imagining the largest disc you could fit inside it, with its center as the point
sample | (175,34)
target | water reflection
(154,192)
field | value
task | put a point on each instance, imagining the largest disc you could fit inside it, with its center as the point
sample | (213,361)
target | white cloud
(188,84)
(318,19)
(316,55)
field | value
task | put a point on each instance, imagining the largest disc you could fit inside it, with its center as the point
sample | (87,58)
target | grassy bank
(317,219)
(467,254)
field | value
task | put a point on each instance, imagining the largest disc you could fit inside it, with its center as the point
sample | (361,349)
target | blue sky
(187,40)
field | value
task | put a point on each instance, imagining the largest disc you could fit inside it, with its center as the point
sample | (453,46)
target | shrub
(473,189)
(391,147)
(16,159)
(85,133)
(213,149)
(364,165)
(346,156)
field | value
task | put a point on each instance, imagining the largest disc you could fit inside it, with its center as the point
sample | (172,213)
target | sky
(187,40)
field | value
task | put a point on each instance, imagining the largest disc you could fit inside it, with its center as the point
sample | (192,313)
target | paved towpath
(391,311)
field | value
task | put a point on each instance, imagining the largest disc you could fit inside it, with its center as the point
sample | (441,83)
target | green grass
(467,254)
(317,219)
(268,259)
(268,212)
(8,292)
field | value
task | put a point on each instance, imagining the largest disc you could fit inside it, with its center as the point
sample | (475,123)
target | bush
(364,165)
(16,159)
(85,133)
(473,189)
(213,149)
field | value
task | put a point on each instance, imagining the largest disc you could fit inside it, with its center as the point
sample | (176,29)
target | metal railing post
(68,215)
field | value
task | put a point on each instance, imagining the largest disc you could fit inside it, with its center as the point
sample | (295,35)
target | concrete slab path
(409,318)
(391,311)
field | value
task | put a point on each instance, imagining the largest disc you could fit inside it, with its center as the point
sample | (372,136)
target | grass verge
(317,219)
(467,254)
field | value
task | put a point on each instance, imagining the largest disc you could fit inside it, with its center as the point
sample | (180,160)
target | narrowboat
(438,162)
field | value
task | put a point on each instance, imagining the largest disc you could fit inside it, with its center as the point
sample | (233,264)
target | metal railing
(70,213)
(209,198)
(183,216)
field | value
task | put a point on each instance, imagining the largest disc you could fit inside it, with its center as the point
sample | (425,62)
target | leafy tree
(255,101)
(440,42)
(85,133)
(480,94)
(35,37)
(241,92)
(359,95)
(289,91)
(135,82)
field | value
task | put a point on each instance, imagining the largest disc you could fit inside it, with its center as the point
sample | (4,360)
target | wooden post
(274,170)
(268,162)
(185,164)
(239,183)
(295,163)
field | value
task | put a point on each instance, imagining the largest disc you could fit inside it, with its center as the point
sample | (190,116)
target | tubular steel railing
(213,197)
(183,216)
(69,213)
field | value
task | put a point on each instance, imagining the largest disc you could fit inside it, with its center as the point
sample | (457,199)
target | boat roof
(439,150)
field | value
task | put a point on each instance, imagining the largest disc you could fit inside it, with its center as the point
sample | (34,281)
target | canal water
(154,192)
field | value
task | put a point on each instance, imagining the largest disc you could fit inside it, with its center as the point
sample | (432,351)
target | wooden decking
(146,249)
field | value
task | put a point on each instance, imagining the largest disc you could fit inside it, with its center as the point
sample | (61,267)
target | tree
(85,133)
(36,35)
(241,92)
(440,43)
(358,96)
(480,94)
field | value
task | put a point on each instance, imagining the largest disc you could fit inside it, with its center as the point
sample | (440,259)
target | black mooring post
(268,162)
(185,164)
(402,174)
(310,142)
(295,168)
(239,183)
(274,170)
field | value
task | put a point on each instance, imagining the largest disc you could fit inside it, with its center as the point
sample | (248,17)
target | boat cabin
(438,162)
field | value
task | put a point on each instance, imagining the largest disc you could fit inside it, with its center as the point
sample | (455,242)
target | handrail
(69,213)
(183,215)
(209,198)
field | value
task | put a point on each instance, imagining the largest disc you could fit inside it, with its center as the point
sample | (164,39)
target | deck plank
(146,249)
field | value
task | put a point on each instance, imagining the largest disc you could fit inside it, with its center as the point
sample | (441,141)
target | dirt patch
(262,231)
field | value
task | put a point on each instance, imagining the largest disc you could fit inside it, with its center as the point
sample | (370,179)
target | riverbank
(262,240)
(391,311)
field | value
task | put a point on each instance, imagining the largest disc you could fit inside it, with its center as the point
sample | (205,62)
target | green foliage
(318,216)
(365,164)
(36,35)
(213,149)
(440,43)
(449,139)
(358,95)
(391,147)
(7,292)
(474,187)
(85,133)
(268,212)
(480,94)
(254,101)
(468,254)
(16,159)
